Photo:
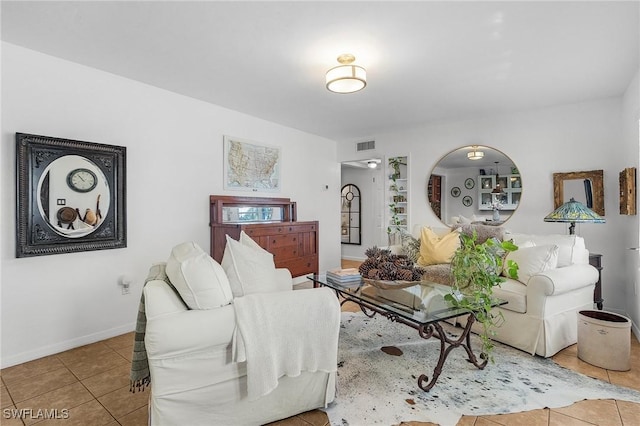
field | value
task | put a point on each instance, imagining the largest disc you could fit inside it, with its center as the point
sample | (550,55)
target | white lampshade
(475,154)
(346,78)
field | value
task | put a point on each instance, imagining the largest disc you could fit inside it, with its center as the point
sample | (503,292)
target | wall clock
(82,180)
(467,200)
(455,192)
(469,183)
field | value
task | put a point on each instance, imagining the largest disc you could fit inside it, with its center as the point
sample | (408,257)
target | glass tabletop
(422,303)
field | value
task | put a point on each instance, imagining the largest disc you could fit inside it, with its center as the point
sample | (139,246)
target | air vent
(364,146)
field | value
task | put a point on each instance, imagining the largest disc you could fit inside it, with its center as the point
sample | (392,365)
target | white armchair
(194,378)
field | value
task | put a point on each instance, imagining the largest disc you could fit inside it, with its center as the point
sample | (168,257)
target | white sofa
(194,378)
(541,313)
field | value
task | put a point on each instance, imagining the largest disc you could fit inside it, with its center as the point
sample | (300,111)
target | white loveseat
(195,379)
(554,284)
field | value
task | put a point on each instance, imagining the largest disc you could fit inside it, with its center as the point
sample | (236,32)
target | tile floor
(92,383)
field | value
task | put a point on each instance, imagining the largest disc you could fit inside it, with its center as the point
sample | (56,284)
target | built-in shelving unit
(509,199)
(398,190)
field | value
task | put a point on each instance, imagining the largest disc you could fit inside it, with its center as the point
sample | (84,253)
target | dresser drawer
(299,266)
(268,230)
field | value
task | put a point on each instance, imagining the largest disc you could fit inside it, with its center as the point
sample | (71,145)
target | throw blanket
(285,333)
(140,377)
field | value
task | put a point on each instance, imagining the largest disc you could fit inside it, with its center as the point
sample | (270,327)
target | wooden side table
(595,260)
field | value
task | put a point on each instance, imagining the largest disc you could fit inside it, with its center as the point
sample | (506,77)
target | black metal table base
(427,331)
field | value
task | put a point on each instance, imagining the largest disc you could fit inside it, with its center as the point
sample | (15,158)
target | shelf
(511,189)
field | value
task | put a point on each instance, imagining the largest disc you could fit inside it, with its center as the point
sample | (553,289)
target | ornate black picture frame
(59,209)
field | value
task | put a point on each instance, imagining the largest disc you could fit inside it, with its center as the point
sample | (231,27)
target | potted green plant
(476,269)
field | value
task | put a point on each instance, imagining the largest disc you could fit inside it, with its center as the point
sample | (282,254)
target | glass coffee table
(420,306)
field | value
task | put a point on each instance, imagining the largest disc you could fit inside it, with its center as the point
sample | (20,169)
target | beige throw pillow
(435,249)
(199,279)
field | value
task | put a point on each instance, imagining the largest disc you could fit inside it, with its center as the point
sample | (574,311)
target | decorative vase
(496,215)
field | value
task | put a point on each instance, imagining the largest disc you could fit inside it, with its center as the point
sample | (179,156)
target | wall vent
(364,146)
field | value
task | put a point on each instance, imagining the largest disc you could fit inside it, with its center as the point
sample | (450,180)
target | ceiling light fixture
(475,154)
(346,78)
(372,164)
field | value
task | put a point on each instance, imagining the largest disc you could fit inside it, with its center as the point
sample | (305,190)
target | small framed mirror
(586,187)
(71,196)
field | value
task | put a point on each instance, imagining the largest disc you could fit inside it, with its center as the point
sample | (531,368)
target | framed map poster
(249,166)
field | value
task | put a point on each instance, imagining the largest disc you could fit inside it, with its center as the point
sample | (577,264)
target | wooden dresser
(293,244)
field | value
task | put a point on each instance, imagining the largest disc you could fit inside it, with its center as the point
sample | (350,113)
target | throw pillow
(484,232)
(534,260)
(247,241)
(435,249)
(198,278)
(410,246)
(463,220)
(249,270)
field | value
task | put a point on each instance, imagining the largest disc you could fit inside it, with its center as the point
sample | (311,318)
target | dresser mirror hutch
(473,182)
(270,222)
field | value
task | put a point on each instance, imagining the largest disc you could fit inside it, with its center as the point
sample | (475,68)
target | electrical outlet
(125,282)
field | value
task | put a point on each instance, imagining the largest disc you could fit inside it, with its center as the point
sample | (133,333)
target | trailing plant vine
(476,269)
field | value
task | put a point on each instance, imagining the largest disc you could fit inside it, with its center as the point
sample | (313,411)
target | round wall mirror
(474,184)
(74,196)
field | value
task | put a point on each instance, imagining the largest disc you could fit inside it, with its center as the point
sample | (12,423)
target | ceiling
(426,61)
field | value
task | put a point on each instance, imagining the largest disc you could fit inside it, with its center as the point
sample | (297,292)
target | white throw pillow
(199,279)
(571,247)
(249,270)
(247,241)
(463,220)
(534,260)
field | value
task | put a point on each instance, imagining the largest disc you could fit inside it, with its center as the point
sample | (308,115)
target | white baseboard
(359,259)
(65,345)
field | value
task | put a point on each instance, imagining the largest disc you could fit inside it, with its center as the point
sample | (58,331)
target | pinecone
(405,274)
(417,274)
(374,274)
(372,252)
(388,271)
(402,262)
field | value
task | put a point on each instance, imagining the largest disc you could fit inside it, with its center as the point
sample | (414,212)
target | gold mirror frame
(597,188)
(469,186)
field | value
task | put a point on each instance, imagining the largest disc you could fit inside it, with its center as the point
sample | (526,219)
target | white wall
(577,137)
(174,162)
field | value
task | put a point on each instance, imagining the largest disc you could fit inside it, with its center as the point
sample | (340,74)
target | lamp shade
(346,78)
(475,154)
(574,212)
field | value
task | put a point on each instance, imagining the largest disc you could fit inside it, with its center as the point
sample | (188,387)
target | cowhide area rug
(375,388)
